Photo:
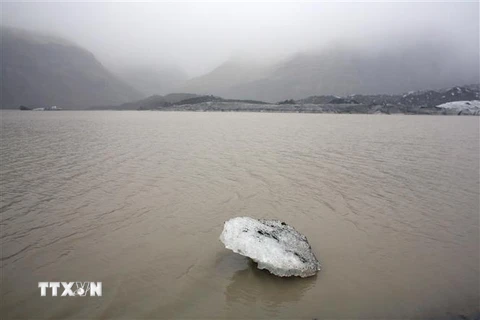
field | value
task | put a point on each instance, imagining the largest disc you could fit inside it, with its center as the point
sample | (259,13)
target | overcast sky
(200,36)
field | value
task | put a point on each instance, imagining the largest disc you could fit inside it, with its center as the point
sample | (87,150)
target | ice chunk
(462,107)
(474,104)
(272,244)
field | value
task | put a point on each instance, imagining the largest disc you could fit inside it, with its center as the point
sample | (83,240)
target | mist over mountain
(128,51)
(198,37)
(234,72)
(43,70)
(344,70)
(151,80)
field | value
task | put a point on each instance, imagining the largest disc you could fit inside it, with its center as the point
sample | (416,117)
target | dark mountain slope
(40,70)
(428,98)
(150,103)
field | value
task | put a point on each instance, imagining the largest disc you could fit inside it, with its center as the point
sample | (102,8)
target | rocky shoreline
(460,100)
(318,108)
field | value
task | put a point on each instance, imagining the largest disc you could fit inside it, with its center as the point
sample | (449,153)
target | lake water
(137,200)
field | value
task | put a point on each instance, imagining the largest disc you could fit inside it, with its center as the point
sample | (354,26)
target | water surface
(137,200)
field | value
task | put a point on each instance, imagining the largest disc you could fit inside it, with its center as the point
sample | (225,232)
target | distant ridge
(458,100)
(40,70)
(152,102)
(342,71)
(420,98)
(157,102)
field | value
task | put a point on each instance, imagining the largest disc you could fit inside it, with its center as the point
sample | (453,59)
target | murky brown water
(137,200)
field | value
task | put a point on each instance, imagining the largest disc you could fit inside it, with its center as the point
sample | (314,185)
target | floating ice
(272,244)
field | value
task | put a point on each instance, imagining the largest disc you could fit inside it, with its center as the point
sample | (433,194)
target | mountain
(172,101)
(42,70)
(344,71)
(422,98)
(223,79)
(150,103)
(432,98)
(151,80)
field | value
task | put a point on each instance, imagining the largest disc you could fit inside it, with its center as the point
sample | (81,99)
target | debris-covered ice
(272,244)
(462,107)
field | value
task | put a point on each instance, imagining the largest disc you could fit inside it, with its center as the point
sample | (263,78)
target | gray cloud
(199,36)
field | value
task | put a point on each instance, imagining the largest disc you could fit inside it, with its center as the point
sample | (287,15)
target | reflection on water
(246,285)
(252,285)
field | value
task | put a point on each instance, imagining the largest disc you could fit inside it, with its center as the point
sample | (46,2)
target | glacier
(272,244)
(462,107)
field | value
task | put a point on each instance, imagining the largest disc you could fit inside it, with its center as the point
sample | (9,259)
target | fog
(197,37)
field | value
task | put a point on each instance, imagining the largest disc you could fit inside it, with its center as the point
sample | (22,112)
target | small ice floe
(272,244)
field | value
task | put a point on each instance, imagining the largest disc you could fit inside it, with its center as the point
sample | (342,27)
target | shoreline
(431,113)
